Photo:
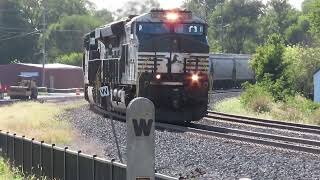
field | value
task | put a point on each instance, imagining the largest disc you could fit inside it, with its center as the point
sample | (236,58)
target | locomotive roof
(147,17)
(117,27)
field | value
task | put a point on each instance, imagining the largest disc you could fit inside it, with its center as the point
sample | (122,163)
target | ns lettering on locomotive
(161,55)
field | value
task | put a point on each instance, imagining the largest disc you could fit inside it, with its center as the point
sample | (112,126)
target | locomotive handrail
(109,59)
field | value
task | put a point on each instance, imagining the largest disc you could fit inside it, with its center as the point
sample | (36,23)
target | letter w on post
(142,127)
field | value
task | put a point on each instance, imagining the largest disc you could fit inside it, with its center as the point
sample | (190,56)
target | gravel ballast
(203,157)
(214,97)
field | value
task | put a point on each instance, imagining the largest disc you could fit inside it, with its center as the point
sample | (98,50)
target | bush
(268,59)
(269,66)
(6,172)
(256,98)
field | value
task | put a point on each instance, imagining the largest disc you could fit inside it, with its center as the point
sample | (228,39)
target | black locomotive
(161,55)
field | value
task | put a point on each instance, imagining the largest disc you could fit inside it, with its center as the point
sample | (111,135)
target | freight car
(161,55)
(230,70)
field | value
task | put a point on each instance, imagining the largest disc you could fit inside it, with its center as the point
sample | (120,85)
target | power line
(3,29)
(9,10)
(68,30)
(20,35)
(11,32)
(11,28)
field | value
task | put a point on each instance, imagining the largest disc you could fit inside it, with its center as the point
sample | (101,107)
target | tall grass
(6,173)
(38,120)
(297,109)
(234,106)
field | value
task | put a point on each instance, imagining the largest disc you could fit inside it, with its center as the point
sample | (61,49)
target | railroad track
(264,122)
(284,142)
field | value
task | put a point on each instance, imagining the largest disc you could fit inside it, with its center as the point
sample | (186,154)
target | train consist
(161,55)
(230,70)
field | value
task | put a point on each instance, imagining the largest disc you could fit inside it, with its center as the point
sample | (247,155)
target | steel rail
(258,134)
(225,91)
(199,129)
(264,122)
(296,144)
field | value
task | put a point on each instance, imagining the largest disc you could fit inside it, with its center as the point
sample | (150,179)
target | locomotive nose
(175,104)
(176,98)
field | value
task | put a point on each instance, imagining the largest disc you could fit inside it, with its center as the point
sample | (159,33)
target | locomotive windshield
(163,37)
(162,28)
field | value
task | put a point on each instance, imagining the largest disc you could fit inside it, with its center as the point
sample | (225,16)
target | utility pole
(44,30)
(221,25)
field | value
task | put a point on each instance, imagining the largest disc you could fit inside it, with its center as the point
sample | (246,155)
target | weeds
(296,109)
(7,173)
(256,98)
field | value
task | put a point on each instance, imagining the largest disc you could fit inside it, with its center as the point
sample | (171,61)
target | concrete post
(140,119)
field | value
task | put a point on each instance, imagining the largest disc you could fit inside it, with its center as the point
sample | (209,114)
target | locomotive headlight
(158,76)
(171,16)
(195,77)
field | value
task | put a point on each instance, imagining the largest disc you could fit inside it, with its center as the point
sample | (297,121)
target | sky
(112,5)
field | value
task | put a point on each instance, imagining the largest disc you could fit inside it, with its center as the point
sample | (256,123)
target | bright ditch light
(195,77)
(171,16)
(158,76)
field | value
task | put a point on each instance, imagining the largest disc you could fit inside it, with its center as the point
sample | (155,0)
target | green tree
(105,15)
(268,59)
(134,7)
(18,38)
(314,16)
(279,16)
(307,6)
(236,31)
(66,36)
(60,8)
(269,66)
(54,9)
(298,33)
(21,22)
(201,8)
(73,58)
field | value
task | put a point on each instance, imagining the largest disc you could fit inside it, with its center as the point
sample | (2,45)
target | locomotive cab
(161,55)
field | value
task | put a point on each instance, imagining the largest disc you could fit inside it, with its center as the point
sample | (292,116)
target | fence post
(13,148)
(112,160)
(1,144)
(94,167)
(41,173)
(52,161)
(22,153)
(31,156)
(7,144)
(65,163)
(78,166)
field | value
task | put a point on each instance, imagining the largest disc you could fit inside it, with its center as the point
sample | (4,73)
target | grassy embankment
(37,120)
(297,109)
(40,121)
